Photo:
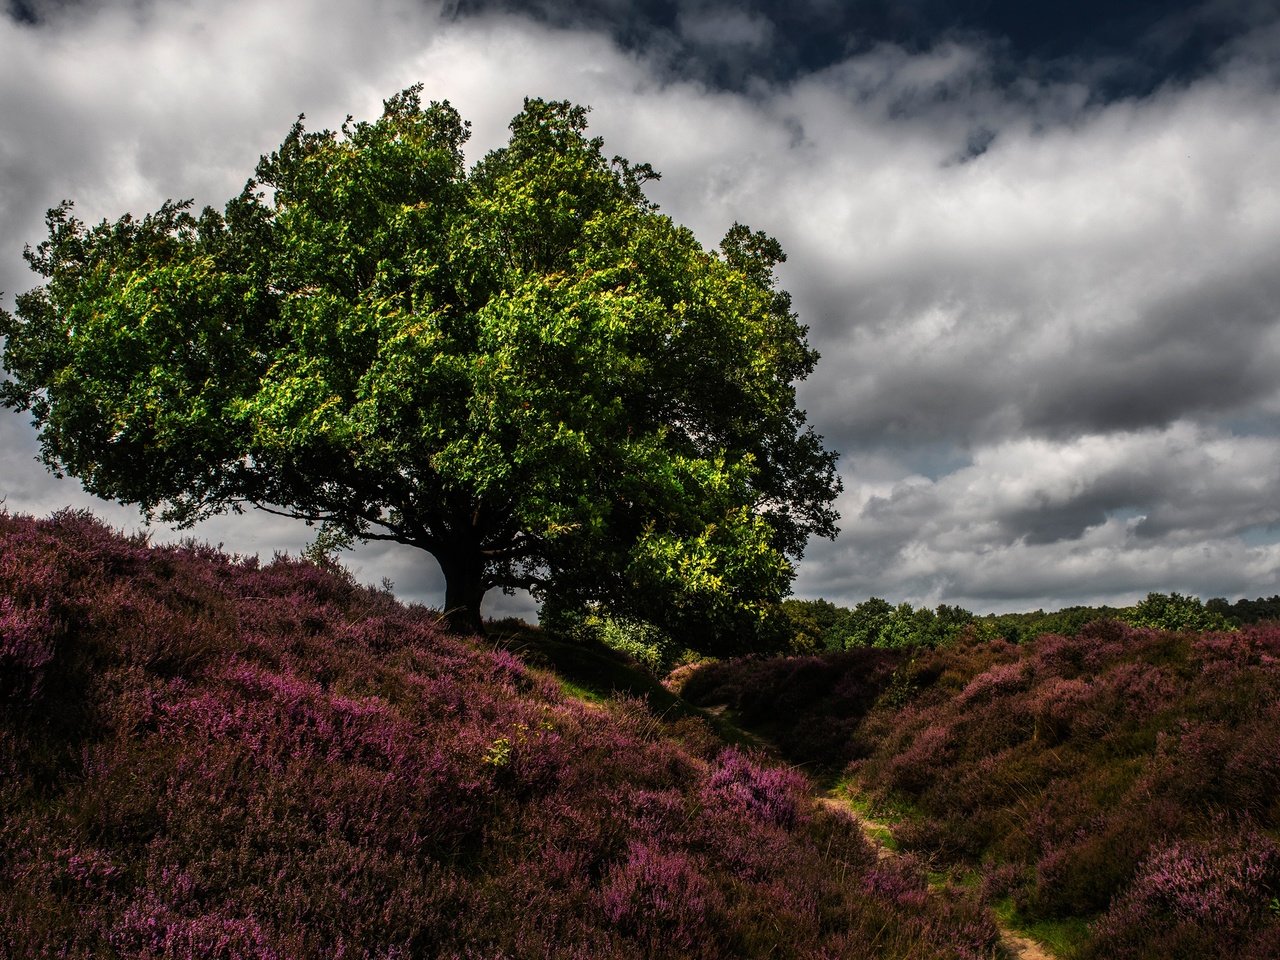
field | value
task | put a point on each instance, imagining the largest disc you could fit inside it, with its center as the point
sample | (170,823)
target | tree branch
(318,517)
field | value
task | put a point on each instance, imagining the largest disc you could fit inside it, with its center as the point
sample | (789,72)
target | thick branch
(520,549)
(396,534)
(529,582)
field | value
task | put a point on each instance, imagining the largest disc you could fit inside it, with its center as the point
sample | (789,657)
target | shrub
(662,901)
(810,706)
(1173,611)
(644,643)
(771,794)
(26,648)
(1206,898)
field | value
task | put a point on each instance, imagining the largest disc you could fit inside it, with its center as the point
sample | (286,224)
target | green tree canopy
(522,368)
(1175,611)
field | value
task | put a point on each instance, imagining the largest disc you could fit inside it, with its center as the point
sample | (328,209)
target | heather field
(206,757)
(1118,790)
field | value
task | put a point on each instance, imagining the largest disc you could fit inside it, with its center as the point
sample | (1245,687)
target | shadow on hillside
(808,707)
(596,673)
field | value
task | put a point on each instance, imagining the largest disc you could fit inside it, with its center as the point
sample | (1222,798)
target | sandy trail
(1021,947)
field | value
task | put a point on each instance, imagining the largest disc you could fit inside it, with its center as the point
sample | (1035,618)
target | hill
(202,756)
(1118,789)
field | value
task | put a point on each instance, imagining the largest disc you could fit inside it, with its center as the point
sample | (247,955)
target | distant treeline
(822,625)
(817,626)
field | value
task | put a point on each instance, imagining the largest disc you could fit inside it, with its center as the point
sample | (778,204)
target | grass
(579,692)
(1063,937)
(881,812)
(870,815)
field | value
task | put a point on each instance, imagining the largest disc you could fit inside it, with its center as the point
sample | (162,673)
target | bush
(810,706)
(1204,898)
(644,643)
(1173,611)
(26,648)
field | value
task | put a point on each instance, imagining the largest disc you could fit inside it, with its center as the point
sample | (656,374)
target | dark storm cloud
(1209,352)
(971,372)
(1121,49)
(21,10)
(1111,271)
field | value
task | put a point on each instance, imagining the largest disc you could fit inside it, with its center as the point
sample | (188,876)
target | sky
(1037,245)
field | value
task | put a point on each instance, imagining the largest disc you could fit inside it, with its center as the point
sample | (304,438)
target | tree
(523,368)
(808,623)
(1174,611)
(867,622)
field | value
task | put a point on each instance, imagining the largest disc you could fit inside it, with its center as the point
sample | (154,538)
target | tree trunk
(463,591)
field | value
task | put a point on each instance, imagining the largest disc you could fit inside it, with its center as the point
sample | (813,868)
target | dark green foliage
(1067,622)
(865,623)
(643,643)
(810,706)
(1174,611)
(819,624)
(1164,611)
(1246,611)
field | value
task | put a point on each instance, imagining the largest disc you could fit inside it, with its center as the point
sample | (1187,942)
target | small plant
(499,754)
(902,685)
(330,541)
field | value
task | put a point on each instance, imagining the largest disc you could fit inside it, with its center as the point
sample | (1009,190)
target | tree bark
(463,592)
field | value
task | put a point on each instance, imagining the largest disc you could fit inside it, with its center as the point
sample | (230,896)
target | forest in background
(823,625)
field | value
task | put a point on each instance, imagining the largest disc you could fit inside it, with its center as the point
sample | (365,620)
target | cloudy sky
(1038,245)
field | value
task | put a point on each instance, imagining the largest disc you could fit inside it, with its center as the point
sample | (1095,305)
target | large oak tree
(522,368)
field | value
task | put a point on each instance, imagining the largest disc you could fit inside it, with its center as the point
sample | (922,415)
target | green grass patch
(893,808)
(579,692)
(955,878)
(878,817)
(1062,937)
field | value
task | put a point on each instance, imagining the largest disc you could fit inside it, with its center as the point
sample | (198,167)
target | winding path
(1018,946)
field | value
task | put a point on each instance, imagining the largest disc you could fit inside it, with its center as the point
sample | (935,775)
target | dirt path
(873,830)
(1022,948)
(1019,947)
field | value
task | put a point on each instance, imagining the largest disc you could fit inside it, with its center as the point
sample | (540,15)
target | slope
(201,756)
